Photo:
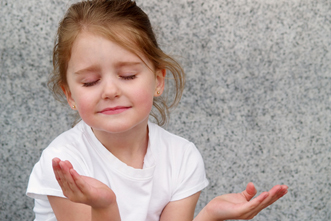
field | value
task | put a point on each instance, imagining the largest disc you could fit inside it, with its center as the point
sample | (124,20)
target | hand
(241,205)
(82,189)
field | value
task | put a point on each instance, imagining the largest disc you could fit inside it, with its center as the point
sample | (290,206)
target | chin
(121,127)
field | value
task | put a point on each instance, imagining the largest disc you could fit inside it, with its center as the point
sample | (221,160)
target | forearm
(110,213)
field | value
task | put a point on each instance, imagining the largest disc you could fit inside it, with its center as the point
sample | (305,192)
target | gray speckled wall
(257,101)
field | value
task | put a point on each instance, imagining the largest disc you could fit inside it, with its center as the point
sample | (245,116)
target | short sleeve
(191,174)
(42,180)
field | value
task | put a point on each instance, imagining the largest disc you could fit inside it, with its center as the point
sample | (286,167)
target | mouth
(114,110)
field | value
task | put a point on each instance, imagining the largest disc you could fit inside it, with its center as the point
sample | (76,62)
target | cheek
(145,98)
(84,103)
(83,109)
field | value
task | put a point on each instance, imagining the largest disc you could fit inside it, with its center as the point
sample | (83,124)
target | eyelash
(131,77)
(89,84)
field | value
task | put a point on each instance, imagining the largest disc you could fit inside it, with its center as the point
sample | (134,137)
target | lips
(114,110)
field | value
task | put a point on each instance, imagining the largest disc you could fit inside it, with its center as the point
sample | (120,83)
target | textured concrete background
(257,100)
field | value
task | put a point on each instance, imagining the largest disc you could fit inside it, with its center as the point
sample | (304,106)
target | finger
(70,183)
(284,190)
(55,164)
(276,192)
(250,191)
(87,191)
(57,170)
(79,181)
(273,195)
(266,199)
(259,199)
(68,164)
(63,175)
(253,207)
(65,179)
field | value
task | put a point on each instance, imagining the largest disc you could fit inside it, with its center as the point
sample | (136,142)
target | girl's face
(111,88)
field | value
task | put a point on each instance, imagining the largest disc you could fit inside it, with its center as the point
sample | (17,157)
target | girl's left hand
(240,205)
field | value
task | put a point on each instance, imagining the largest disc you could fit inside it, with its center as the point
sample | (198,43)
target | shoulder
(176,148)
(70,145)
(181,160)
(67,146)
(163,137)
(72,141)
(70,136)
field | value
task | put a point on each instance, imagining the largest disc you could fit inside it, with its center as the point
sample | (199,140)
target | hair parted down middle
(124,23)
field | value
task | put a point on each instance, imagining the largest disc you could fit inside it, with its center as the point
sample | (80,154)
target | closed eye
(130,77)
(89,84)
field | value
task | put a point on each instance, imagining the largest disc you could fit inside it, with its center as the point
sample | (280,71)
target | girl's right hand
(82,189)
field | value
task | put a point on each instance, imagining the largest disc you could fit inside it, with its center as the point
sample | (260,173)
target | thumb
(250,191)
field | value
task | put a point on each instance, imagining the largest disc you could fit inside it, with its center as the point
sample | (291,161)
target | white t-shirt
(173,169)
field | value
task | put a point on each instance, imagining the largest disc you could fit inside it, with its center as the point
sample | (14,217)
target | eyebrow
(128,64)
(87,69)
(95,68)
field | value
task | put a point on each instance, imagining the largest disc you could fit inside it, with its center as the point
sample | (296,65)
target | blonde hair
(124,23)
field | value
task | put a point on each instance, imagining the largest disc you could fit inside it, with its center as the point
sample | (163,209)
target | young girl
(115,164)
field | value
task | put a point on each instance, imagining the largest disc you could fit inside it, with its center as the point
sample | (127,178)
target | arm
(180,210)
(88,198)
(240,205)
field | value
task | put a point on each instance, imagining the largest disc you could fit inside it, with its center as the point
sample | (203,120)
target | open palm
(241,205)
(82,189)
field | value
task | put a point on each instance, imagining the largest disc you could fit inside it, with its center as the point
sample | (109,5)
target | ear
(159,78)
(70,100)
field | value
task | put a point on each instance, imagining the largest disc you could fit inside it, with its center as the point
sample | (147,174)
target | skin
(240,205)
(113,91)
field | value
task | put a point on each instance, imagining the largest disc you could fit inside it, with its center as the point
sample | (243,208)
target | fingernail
(282,193)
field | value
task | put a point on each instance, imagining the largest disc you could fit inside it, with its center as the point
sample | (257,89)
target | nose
(111,89)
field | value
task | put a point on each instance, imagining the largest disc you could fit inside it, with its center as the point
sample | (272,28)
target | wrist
(210,213)
(206,215)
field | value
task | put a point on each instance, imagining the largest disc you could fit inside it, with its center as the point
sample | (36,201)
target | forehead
(90,48)
(123,35)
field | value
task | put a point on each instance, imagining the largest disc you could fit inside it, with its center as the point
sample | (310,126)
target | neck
(130,147)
